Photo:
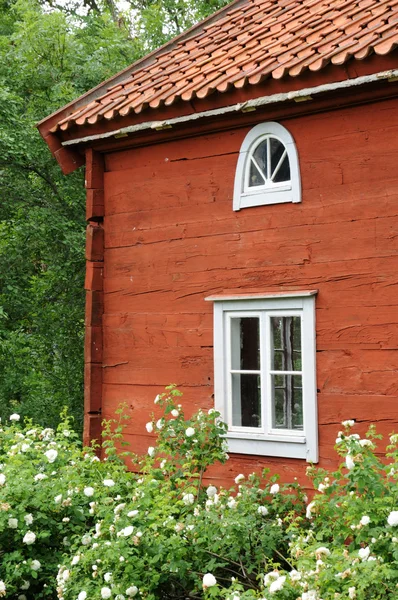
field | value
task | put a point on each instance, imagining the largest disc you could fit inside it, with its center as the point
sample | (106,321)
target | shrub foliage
(79,528)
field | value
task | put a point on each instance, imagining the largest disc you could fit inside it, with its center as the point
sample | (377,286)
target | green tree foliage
(50,55)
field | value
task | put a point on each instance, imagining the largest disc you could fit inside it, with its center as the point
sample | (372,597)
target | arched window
(267,170)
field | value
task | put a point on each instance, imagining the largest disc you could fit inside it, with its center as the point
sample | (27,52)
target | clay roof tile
(242,45)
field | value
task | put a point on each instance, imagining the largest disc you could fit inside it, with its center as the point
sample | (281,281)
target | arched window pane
(283,173)
(260,156)
(255,177)
(269,163)
(277,149)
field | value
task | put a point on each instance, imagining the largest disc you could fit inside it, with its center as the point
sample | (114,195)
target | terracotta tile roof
(249,41)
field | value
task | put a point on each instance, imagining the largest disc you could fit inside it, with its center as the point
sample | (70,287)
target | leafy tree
(50,54)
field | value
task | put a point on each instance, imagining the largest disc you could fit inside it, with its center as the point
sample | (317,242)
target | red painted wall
(171,239)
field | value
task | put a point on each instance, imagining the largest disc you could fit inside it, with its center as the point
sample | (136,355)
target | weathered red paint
(171,239)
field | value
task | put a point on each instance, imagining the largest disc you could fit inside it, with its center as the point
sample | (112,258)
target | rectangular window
(265,388)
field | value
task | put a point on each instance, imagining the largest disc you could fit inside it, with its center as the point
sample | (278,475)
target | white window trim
(270,442)
(245,197)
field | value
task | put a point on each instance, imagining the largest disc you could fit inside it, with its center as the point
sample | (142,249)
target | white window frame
(270,193)
(267,441)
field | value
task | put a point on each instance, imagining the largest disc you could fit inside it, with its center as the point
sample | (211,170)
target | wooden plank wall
(171,239)
(94,296)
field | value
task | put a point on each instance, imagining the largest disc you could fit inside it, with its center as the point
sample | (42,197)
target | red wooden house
(242,239)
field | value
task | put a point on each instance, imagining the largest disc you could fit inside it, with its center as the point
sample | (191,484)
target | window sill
(265,197)
(294,448)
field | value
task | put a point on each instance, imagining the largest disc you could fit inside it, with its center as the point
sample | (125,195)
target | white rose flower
(2,588)
(151,451)
(108,577)
(88,491)
(349,423)
(108,482)
(163,463)
(308,512)
(392,519)
(28,519)
(295,575)
(365,520)
(25,447)
(322,550)
(35,565)
(75,560)
(209,580)
(239,478)
(310,595)
(15,417)
(82,595)
(363,553)
(262,510)
(51,455)
(2,479)
(157,399)
(106,593)
(29,538)
(351,593)
(58,499)
(25,585)
(189,432)
(349,462)
(188,499)
(231,502)
(13,523)
(211,491)
(40,477)
(270,577)
(127,531)
(274,489)
(174,413)
(277,584)
(149,427)
(132,513)
(366,443)
(159,424)
(86,539)
(66,575)
(132,591)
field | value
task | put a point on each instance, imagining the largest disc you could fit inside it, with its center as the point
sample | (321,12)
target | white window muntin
(228,316)
(269,184)
(245,196)
(270,405)
(265,372)
(269,442)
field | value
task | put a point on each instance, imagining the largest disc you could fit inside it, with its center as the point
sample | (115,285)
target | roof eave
(46,124)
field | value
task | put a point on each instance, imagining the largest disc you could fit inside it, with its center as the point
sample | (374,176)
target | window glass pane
(260,156)
(245,343)
(246,400)
(277,149)
(287,402)
(283,173)
(255,177)
(285,343)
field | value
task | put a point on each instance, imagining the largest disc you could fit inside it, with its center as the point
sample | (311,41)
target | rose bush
(77,528)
